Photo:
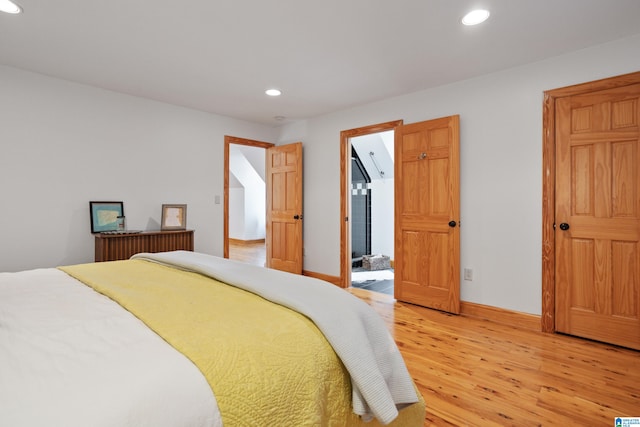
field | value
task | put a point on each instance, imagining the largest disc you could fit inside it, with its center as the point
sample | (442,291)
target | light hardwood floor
(250,252)
(480,373)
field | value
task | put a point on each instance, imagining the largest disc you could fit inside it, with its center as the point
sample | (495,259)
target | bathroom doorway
(368,199)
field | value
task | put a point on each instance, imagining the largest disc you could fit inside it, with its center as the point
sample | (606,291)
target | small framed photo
(174,217)
(106,216)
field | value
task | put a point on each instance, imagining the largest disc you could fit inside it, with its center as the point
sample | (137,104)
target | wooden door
(427,214)
(598,215)
(284,208)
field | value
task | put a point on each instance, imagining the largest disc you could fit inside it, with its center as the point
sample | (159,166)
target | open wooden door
(284,207)
(427,214)
(597,234)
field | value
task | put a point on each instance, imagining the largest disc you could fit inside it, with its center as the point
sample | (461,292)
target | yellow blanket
(283,372)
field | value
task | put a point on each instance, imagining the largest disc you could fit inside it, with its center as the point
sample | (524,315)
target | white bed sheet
(72,357)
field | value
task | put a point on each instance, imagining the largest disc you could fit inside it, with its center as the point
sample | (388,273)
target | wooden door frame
(548,318)
(345,193)
(239,141)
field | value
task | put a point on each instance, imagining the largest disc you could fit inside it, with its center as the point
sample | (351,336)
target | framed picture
(174,217)
(106,216)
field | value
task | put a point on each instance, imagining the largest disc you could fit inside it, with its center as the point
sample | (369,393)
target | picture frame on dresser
(106,216)
(174,217)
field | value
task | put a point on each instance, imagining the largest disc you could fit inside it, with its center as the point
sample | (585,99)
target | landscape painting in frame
(105,216)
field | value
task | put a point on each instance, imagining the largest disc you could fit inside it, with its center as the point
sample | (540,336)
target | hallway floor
(380,281)
(377,281)
(248,252)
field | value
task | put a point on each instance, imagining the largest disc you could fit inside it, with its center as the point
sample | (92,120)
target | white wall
(64,144)
(236,213)
(247,219)
(501,168)
(382,217)
(255,205)
(247,207)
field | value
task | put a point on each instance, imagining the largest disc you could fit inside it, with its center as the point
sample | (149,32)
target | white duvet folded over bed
(72,357)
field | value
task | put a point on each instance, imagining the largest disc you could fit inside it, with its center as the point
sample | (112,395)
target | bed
(188,339)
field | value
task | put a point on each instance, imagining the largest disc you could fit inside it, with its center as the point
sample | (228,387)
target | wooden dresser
(113,247)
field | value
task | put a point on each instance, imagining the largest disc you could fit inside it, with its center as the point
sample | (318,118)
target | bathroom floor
(377,281)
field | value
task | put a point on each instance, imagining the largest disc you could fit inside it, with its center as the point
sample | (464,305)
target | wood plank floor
(479,373)
(250,252)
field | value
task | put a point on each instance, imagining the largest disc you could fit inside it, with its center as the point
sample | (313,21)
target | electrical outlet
(468,274)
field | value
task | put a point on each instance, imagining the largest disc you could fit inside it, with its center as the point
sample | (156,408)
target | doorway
(367,207)
(244,185)
(426,211)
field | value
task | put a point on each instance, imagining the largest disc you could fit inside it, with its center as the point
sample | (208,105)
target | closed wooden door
(427,214)
(597,227)
(284,208)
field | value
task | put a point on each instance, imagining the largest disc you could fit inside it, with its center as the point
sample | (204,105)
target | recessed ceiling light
(273,92)
(9,7)
(475,17)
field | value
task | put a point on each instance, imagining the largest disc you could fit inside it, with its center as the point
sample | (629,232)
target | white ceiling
(220,55)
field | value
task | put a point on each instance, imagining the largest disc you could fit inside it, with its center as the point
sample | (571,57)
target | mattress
(72,357)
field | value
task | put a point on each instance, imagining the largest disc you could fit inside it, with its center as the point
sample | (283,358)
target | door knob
(564,226)
(452,224)
(296,216)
